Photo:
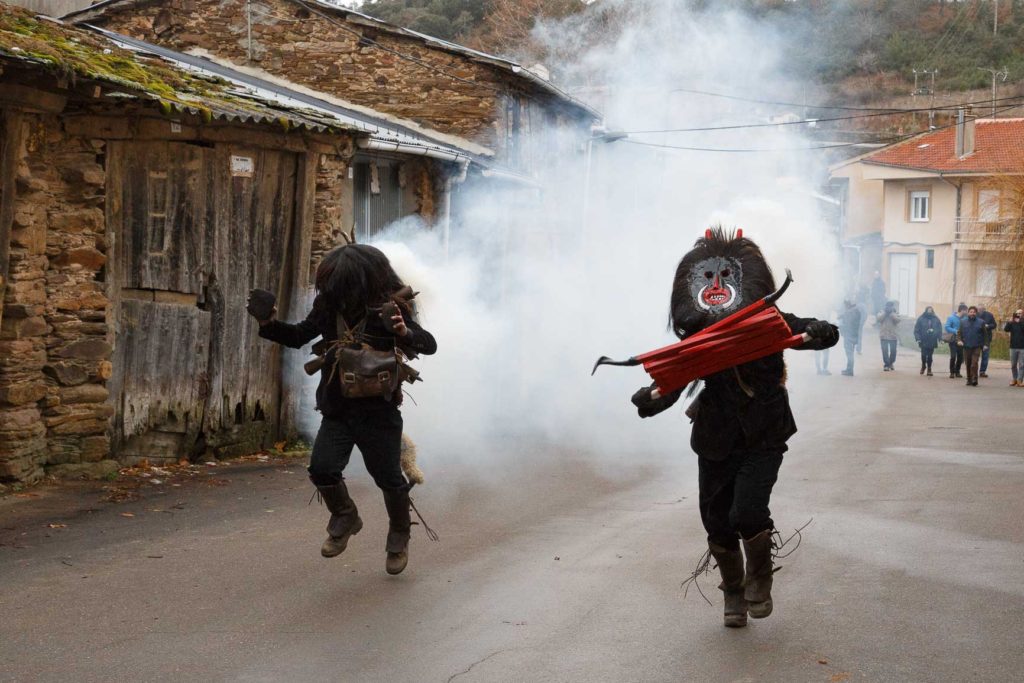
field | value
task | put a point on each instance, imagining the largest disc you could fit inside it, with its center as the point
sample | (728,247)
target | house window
(929,258)
(920,201)
(988,206)
(157,214)
(986,281)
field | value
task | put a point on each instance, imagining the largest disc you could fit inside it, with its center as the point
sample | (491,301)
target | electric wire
(739,98)
(986,101)
(895,139)
(949,30)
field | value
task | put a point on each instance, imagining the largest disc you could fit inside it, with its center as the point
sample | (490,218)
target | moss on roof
(79,54)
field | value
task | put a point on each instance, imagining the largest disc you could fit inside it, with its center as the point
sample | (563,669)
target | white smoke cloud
(527,300)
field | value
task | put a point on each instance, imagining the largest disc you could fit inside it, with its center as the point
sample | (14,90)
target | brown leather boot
(397,503)
(730,566)
(344,522)
(758,590)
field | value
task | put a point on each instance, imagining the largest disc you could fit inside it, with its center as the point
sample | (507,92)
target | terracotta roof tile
(998,148)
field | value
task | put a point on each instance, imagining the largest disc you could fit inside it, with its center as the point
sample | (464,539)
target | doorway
(903,282)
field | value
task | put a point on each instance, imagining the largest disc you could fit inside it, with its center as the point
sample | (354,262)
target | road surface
(551,567)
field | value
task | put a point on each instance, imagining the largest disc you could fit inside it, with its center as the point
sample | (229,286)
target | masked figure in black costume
(356,282)
(741,418)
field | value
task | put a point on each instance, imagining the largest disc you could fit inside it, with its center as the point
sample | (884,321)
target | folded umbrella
(749,334)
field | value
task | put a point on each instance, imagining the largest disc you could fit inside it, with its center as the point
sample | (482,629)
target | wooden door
(163,222)
(255,248)
(195,228)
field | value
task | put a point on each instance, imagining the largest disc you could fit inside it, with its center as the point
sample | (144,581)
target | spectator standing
(888,333)
(974,336)
(949,335)
(878,294)
(863,295)
(1016,329)
(990,322)
(850,329)
(927,332)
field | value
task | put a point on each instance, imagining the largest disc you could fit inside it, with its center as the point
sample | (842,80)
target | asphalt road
(553,568)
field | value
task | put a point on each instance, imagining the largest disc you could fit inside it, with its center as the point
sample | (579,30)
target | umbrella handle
(775,296)
(605,360)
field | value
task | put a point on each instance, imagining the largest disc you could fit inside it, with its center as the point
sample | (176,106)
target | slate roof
(348,14)
(78,55)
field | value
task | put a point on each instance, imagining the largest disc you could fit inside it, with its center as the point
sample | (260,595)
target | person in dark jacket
(974,336)
(353,284)
(1016,329)
(950,329)
(878,299)
(850,327)
(927,332)
(990,322)
(741,418)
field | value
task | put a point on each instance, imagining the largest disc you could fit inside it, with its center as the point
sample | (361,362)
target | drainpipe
(449,182)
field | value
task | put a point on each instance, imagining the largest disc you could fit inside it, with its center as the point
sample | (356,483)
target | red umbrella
(750,333)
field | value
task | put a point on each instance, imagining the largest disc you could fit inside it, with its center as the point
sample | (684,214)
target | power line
(937,45)
(780,104)
(825,120)
(901,138)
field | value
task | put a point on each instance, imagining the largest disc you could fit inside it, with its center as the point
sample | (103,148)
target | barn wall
(54,339)
(75,304)
(486,104)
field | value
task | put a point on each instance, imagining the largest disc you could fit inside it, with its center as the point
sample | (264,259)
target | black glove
(647,406)
(261,304)
(821,329)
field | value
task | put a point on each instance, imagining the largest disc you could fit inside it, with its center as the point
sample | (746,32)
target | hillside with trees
(859,50)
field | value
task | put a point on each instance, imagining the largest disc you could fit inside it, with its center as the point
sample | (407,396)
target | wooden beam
(31,99)
(10,148)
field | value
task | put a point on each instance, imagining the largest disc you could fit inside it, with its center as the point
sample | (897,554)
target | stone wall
(54,345)
(290,42)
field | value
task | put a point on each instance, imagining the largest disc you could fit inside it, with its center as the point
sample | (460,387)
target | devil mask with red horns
(721,274)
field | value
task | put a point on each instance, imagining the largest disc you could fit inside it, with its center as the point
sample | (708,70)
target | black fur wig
(721,274)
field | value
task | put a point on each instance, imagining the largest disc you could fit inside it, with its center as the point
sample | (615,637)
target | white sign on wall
(241,167)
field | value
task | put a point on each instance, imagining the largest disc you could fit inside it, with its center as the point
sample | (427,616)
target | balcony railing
(1001,234)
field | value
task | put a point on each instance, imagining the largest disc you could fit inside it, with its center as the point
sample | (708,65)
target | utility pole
(926,91)
(1002,74)
(995,17)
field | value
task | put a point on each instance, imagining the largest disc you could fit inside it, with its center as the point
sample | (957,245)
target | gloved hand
(261,305)
(820,329)
(648,406)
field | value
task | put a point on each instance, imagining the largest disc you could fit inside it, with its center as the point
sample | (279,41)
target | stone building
(510,110)
(141,198)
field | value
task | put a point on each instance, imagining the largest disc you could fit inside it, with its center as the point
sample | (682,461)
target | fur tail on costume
(408,458)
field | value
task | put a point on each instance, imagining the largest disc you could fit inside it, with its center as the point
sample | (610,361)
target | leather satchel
(363,371)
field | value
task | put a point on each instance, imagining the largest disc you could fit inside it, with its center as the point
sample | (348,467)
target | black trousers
(734,495)
(377,431)
(926,357)
(956,358)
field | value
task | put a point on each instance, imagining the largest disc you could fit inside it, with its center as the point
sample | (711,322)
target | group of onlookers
(967,332)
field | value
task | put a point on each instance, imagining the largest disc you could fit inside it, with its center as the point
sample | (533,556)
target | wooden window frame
(911,191)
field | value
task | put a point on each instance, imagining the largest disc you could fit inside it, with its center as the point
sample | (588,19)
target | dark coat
(851,324)
(1016,330)
(322,322)
(747,408)
(974,333)
(928,331)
